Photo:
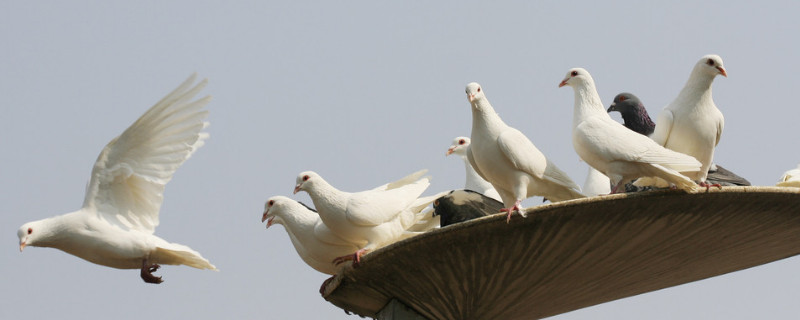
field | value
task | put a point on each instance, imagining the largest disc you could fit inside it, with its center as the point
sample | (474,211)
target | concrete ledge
(574,254)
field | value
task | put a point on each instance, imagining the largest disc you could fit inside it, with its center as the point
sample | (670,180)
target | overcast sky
(363,92)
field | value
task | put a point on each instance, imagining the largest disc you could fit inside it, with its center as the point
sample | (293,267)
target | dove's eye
(622,98)
(574,73)
(271,202)
(462,141)
(30,230)
(306,177)
(479,89)
(710,62)
(435,202)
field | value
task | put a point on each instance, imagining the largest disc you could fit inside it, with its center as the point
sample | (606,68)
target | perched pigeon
(510,162)
(790,178)
(634,115)
(120,211)
(692,124)
(596,183)
(314,242)
(636,118)
(377,217)
(463,205)
(616,151)
(474,181)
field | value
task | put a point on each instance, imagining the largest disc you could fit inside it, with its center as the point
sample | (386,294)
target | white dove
(790,178)
(510,162)
(692,124)
(474,181)
(314,242)
(120,211)
(619,153)
(378,216)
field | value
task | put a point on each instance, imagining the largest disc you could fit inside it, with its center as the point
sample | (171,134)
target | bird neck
(51,231)
(299,220)
(326,196)
(587,104)
(484,117)
(639,121)
(474,180)
(697,89)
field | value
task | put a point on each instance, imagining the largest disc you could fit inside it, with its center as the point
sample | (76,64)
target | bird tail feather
(177,254)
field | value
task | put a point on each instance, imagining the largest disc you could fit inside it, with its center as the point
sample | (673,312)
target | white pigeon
(616,151)
(378,216)
(596,183)
(474,181)
(692,124)
(510,162)
(314,242)
(790,178)
(120,211)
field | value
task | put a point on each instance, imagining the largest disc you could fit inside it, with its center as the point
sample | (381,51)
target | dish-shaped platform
(574,254)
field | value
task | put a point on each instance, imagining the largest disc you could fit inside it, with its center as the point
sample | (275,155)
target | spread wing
(129,176)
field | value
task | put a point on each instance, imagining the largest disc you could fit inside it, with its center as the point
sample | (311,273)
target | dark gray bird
(635,117)
(463,205)
(633,113)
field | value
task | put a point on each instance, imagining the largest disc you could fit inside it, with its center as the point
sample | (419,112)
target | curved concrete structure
(574,254)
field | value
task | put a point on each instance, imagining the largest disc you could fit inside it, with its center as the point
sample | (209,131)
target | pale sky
(363,93)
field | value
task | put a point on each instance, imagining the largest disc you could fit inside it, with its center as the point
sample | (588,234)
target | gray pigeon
(464,205)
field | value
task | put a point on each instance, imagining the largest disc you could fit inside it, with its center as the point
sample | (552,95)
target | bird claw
(708,186)
(355,257)
(147,273)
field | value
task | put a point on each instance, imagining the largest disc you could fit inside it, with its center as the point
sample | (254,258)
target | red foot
(511,210)
(355,257)
(324,285)
(708,186)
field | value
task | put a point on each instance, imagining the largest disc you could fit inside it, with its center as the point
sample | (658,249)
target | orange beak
(21,246)
(722,72)
(563,83)
(450,151)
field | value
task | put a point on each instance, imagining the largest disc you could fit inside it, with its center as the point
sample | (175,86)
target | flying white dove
(120,211)
(378,216)
(692,124)
(790,178)
(474,181)
(506,158)
(314,242)
(619,153)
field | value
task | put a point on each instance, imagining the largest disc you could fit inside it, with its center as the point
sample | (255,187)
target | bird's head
(272,211)
(712,65)
(474,92)
(305,180)
(31,233)
(625,103)
(575,76)
(459,146)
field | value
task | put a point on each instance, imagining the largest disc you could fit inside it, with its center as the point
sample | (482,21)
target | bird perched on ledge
(636,118)
(616,151)
(506,158)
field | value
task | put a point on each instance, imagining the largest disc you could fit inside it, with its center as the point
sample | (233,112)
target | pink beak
(22,246)
(296,189)
(471,97)
(449,151)
(563,83)
(722,72)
